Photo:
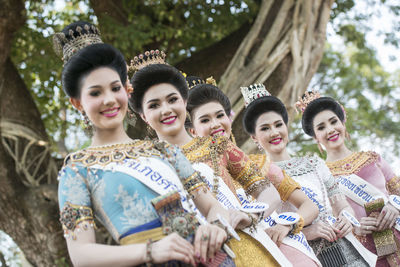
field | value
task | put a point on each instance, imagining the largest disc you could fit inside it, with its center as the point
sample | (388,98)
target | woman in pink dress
(363,177)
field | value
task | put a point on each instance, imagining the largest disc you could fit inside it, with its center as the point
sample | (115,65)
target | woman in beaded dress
(130,186)
(160,98)
(265,120)
(209,110)
(324,119)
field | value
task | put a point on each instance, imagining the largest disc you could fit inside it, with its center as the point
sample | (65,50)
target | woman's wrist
(149,253)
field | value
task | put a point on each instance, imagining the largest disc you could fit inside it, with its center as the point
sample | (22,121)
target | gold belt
(141,237)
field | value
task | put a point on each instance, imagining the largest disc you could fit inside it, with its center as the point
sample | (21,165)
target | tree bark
(3,260)
(28,190)
(282,50)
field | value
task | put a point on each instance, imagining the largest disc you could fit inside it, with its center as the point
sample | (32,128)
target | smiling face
(103,98)
(211,119)
(271,132)
(164,109)
(329,130)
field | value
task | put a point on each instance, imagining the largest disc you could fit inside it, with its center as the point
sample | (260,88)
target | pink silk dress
(285,186)
(375,170)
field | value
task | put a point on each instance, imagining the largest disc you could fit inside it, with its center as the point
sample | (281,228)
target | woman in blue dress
(137,189)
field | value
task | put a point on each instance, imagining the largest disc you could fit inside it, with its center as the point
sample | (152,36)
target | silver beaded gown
(320,186)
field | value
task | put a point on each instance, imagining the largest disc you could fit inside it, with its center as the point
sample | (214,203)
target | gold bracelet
(298,226)
(149,256)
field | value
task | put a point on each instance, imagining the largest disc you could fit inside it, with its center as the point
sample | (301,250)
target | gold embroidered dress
(375,170)
(233,166)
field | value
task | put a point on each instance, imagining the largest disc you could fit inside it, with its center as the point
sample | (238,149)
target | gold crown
(211,80)
(148,58)
(306,99)
(66,48)
(253,92)
(198,81)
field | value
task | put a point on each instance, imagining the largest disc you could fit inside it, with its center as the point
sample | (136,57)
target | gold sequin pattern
(113,153)
(259,160)
(249,252)
(199,149)
(287,186)
(352,163)
(249,175)
(393,186)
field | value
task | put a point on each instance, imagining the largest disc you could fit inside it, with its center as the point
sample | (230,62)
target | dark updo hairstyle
(205,93)
(89,59)
(316,106)
(260,106)
(152,75)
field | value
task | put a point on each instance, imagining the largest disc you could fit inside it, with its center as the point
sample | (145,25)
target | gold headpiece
(194,81)
(306,99)
(211,80)
(253,92)
(67,47)
(148,58)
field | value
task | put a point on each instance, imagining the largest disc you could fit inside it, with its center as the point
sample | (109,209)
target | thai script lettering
(301,239)
(224,200)
(155,176)
(356,190)
(287,218)
(313,196)
(271,222)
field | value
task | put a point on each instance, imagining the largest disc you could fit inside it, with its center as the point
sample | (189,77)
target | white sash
(361,191)
(298,241)
(229,201)
(156,175)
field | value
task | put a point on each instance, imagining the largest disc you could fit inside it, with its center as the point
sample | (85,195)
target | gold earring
(233,139)
(258,145)
(150,131)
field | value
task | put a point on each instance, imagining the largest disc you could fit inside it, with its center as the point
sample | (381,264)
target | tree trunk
(3,260)
(28,190)
(282,50)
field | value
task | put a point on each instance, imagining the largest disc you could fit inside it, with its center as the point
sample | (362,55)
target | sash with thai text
(298,241)
(361,191)
(229,201)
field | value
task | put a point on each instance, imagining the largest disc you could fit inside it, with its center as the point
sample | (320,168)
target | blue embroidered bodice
(104,181)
